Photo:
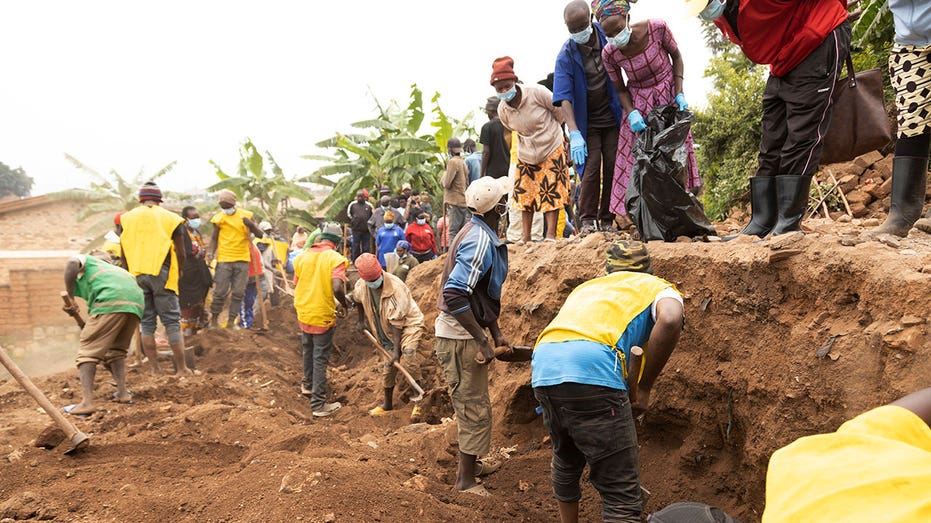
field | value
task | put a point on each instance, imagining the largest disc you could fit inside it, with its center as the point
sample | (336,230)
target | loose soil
(239,443)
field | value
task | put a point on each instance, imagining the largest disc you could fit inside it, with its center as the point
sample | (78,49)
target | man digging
(390,313)
(115,304)
(469,303)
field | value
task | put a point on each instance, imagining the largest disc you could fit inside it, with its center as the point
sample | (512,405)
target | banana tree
(261,180)
(390,150)
(107,196)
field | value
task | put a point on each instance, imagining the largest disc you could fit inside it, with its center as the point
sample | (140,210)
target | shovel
(79,440)
(510,354)
(397,365)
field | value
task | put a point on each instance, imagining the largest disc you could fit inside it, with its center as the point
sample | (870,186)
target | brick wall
(30,299)
(47,225)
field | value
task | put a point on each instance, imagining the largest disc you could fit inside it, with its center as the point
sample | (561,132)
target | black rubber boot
(762,207)
(791,202)
(909,178)
(389,399)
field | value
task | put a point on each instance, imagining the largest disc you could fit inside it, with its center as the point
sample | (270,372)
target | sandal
(128,400)
(486,466)
(478,490)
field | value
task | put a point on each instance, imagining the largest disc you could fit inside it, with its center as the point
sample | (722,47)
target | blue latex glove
(680,99)
(636,121)
(578,148)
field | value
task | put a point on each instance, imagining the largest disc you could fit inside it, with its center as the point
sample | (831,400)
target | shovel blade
(516,354)
(78,441)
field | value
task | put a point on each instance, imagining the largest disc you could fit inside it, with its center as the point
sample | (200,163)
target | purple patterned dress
(651,84)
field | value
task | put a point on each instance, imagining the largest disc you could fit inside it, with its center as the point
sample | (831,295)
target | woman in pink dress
(648,55)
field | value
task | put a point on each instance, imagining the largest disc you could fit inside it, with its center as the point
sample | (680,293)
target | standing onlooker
(454,184)
(196,280)
(387,237)
(232,248)
(805,44)
(473,160)
(249,302)
(319,283)
(542,182)
(115,304)
(910,69)
(378,215)
(389,312)
(582,87)
(422,239)
(406,262)
(469,303)
(580,377)
(496,143)
(360,212)
(152,240)
(648,55)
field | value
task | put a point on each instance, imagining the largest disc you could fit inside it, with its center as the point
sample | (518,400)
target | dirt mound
(239,444)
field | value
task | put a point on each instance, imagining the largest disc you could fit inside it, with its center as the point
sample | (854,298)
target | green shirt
(405,266)
(108,289)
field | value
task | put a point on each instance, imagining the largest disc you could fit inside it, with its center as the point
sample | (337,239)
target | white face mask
(582,36)
(229,212)
(622,38)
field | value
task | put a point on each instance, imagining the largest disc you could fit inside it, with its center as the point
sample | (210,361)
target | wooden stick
(843,197)
(397,365)
(824,205)
(258,294)
(78,439)
(826,194)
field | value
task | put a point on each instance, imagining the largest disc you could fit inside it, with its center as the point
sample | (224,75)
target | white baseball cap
(265,226)
(483,194)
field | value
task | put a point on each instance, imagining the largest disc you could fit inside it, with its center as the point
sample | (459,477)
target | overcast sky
(132,85)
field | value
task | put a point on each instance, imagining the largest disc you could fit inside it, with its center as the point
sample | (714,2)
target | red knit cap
(502,69)
(368,267)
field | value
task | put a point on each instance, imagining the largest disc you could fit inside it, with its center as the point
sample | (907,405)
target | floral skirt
(910,69)
(543,187)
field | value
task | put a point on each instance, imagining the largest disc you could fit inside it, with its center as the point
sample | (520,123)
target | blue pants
(246,313)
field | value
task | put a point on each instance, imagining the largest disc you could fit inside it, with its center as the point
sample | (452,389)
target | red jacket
(782,33)
(421,238)
(255,263)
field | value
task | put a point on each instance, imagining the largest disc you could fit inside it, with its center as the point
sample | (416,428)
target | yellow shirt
(146,242)
(876,467)
(233,241)
(313,295)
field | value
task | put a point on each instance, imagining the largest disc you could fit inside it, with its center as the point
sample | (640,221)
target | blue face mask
(508,96)
(229,212)
(622,38)
(713,11)
(582,36)
(194,223)
(374,284)
(385,207)
(421,221)
(389,226)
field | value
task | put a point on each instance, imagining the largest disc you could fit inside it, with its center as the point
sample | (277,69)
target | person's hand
(502,342)
(341,310)
(360,326)
(577,147)
(70,309)
(680,99)
(852,16)
(202,255)
(486,353)
(636,121)
(642,403)
(395,358)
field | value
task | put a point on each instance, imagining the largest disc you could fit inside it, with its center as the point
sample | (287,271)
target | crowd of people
(594,366)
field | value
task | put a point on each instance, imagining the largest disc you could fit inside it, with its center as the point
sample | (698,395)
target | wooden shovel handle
(633,372)
(397,365)
(71,305)
(66,426)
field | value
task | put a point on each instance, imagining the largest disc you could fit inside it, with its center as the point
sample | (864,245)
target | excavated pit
(238,444)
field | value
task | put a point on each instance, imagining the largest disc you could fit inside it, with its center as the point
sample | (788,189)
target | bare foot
(184,371)
(81,408)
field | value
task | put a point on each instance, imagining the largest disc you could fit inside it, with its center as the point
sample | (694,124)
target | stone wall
(42,224)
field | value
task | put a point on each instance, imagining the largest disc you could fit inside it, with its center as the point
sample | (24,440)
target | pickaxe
(397,365)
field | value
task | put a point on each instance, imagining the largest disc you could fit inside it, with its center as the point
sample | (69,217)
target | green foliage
(108,194)
(14,182)
(874,28)
(728,130)
(260,179)
(391,151)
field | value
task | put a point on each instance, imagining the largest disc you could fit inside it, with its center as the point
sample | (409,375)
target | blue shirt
(477,267)
(912,19)
(387,240)
(589,362)
(570,84)
(474,163)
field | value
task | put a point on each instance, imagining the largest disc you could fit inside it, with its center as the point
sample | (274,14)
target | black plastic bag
(657,201)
